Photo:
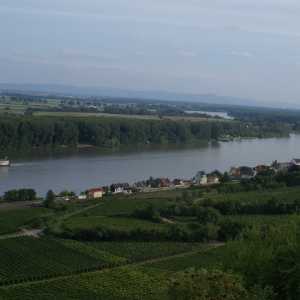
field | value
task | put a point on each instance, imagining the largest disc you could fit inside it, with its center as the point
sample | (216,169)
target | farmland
(131,246)
(27,258)
(12,219)
(141,251)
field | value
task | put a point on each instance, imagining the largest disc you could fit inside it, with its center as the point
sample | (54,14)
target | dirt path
(23,232)
(38,232)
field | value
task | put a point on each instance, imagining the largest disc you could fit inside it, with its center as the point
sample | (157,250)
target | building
(234,172)
(118,188)
(295,163)
(178,182)
(262,169)
(96,193)
(281,166)
(243,172)
(213,179)
(200,178)
(82,197)
(164,182)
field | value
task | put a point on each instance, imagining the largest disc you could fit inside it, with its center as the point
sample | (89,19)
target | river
(79,172)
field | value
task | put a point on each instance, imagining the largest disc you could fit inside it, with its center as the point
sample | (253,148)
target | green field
(11,220)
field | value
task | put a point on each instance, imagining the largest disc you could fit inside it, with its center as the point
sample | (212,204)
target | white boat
(4,162)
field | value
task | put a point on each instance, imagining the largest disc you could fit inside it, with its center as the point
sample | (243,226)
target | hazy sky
(248,48)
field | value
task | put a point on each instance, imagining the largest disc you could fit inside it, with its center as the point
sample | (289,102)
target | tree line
(19,133)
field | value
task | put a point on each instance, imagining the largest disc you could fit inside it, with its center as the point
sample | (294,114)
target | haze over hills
(69,90)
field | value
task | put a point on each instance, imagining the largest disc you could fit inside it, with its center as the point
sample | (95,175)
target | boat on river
(4,162)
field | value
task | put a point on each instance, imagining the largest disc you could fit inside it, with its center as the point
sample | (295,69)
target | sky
(248,48)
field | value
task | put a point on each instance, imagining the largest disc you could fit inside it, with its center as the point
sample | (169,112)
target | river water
(79,172)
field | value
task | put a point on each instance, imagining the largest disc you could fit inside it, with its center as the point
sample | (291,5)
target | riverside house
(96,193)
(200,178)
(119,188)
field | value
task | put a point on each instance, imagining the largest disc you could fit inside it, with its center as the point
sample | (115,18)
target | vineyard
(134,262)
(128,283)
(126,205)
(27,259)
(140,251)
(112,223)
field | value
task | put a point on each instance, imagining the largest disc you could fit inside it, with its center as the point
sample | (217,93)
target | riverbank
(78,171)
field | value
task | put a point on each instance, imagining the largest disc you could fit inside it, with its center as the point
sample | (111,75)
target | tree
(50,199)
(207,215)
(213,285)
(206,285)
(229,229)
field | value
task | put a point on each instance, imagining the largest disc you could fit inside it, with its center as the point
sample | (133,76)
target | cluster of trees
(26,132)
(265,265)
(213,285)
(20,195)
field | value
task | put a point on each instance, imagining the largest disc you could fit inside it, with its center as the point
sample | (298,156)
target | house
(281,166)
(213,179)
(178,182)
(96,193)
(200,178)
(243,172)
(295,164)
(118,188)
(82,197)
(164,182)
(234,172)
(187,183)
(262,169)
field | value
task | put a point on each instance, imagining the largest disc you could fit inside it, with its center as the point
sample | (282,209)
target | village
(235,174)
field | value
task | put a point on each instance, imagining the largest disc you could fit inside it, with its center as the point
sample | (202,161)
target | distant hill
(65,90)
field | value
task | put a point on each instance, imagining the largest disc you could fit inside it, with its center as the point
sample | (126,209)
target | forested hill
(21,133)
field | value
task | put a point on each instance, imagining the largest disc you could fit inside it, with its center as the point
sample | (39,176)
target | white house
(200,178)
(82,197)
